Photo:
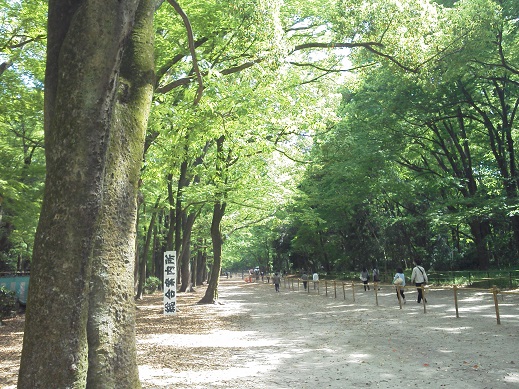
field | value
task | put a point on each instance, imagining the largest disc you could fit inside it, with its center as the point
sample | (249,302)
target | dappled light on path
(257,338)
(295,339)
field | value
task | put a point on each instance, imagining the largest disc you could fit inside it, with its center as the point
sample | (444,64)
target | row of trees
(422,164)
(230,133)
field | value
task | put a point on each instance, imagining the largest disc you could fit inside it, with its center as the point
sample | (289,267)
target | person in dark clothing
(276,280)
(364,277)
(304,277)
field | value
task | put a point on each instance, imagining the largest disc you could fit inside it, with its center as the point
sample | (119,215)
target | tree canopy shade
(22,48)
(167,124)
(422,161)
(99,82)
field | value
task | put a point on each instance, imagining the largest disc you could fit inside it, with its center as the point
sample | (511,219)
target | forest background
(320,136)
(290,135)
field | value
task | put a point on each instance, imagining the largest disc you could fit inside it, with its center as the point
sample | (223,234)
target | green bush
(7,303)
(151,284)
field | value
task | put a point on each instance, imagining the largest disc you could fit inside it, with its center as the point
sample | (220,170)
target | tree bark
(80,320)
(144,260)
(211,293)
(185,256)
(201,260)
(481,231)
(179,217)
(171,219)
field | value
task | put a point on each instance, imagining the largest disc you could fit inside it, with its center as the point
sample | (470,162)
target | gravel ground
(257,338)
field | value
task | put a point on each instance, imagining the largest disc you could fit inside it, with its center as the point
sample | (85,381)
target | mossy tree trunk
(80,321)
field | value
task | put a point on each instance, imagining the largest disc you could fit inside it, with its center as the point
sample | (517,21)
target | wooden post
(455,289)
(423,299)
(375,285)
(335,288)
(326,287)
(343,291)
(494,292)
(353,290)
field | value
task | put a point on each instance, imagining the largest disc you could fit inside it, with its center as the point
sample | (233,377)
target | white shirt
(315,277)
(418,276)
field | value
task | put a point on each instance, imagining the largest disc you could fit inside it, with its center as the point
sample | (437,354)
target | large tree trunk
(185,257)
(201,260)
(111,325)
(180,216)
(171,219)
(80,322)
(480,231)
(211,293)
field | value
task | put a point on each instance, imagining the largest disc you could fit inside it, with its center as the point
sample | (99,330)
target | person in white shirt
(419,278)
(399,282)
(315,279)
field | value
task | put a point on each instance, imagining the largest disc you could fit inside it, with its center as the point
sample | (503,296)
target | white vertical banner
(170,282)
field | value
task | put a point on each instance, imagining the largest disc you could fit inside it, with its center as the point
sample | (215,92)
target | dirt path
(293,339)
(256,338)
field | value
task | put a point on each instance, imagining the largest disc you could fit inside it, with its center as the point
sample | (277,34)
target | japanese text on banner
(170,282)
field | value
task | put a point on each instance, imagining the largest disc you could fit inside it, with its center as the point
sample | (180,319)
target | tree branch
(5,65)
(391,58)
(370,46)
(334,45)
(186,80)
(176,59)
(191,41)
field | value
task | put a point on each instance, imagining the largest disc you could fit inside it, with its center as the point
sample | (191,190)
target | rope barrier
(376,286)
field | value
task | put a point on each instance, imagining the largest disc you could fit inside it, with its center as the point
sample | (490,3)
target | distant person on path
(276,280)
(376,276)
(315,279)
(419,278)
(364,277)
(304,277)
(399,282)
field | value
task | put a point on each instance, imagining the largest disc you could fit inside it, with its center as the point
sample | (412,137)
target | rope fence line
(293,283)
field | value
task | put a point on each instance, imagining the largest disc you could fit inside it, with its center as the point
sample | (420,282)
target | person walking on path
(304,277)
(399,282)
(364,277)
(419,278)
(315,278)
(376,276)
(276,280)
